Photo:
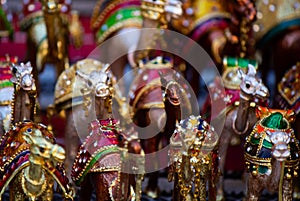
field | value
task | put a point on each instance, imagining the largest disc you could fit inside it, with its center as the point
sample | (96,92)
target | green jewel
(254,140)
(240,62)
(267,144)
(262,169)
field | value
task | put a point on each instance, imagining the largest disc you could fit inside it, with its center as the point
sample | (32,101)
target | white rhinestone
(68,82)
(119,16)
(137,13)
(80,160)
(249,148)
(259,15)
(272,7)
(84,160)
(95,144)
(12,144)
(145,77)
(256,28)
(31,7)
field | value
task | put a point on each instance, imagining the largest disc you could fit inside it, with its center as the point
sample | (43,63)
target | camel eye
(42,149)
(90,84)
(248,85)
(120,138)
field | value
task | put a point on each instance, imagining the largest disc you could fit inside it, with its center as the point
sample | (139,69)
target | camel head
(22,76)
(252,86)
(98,83)
(41,149)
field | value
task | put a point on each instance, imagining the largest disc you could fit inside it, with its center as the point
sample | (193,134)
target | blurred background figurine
(48,24)
(277,35)
(113,17)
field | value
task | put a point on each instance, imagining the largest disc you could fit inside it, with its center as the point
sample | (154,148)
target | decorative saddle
(100,151)
(258,146)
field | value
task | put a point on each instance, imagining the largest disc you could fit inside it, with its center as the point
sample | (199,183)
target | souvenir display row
(111,142)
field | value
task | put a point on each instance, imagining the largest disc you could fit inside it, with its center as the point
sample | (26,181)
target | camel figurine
(148,106)
(193,154)
(240,109)
(157,103)
(102,157)
(48,24)
(272,154)
(19,93)
(31,162)
(25,93)
(74,105)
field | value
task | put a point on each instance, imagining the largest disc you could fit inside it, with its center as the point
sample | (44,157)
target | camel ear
(82,75)
(241,73)
(105,68)
(27,137)
(262,112)
(29,66)
(290,116)
(251,70)
(162,79)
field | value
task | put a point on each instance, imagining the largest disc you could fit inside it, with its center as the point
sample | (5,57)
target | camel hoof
(152,193)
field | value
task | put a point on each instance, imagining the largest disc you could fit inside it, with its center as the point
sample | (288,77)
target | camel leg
(223,146)
(176,192)
(86,189)
(48,194)
(287,190)
(15,190)
(202,189)
(255,186)
(151,146)
(213,176)
(72,142)
(102,183)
